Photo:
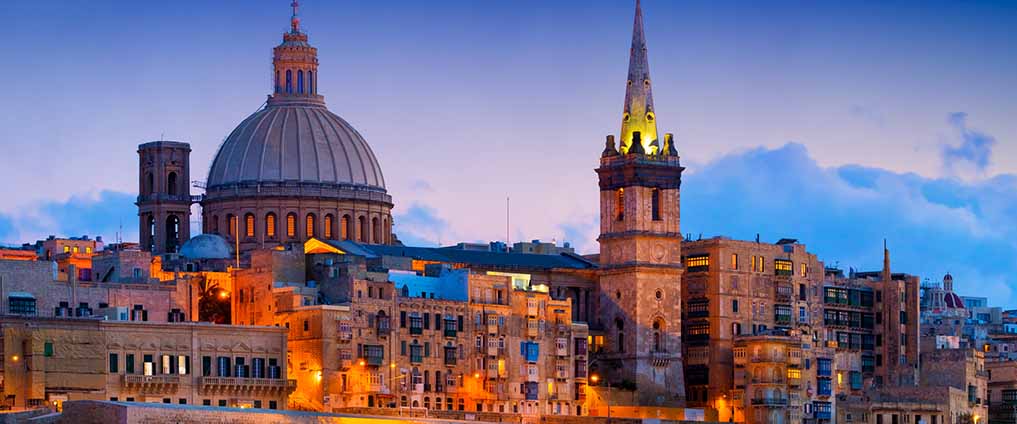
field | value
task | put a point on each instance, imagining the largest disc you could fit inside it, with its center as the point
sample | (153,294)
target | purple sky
(902,114)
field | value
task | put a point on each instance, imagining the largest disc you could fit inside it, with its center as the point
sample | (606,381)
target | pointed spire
(295,20)
(639,114)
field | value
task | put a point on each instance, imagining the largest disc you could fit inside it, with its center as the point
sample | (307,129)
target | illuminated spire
(295,20)
(639,115)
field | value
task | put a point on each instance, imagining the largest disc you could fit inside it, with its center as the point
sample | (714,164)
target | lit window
(232,220)
(804,269)
(291,225)
(249,225)
(697,263)
(310,226)
(783,267)
(344,227)
(67,249)
(328,226)
(734,261)
(270,225)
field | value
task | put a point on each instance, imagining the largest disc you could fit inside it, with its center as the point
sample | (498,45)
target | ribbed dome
(295,140)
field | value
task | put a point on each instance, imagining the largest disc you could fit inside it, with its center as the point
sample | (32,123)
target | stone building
(52,360)
(733,288)
(640,263)
(290,172)
(1002,395)
(439,340)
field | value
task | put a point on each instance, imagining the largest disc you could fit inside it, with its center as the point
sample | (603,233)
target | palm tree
(213,302)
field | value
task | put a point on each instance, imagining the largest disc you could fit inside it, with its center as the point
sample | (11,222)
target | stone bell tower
(640,247)
(164,197)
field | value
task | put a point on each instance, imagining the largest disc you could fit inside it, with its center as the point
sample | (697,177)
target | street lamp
(595,378)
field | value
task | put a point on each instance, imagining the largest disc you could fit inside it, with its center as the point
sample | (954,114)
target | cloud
(974,151)
(582,233)
(100,213)
(842,214)
(420,225)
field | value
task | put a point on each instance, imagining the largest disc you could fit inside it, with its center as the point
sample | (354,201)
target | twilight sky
(835,123)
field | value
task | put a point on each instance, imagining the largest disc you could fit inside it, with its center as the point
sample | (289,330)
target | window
(231,222)
(249,225)
(783,267)
(289,90)
(300,82)
(362,225)
(328,226)
(291,225)
(129,363)
(270,225)
(619,205)
(21,304)
(655,204)
(376,233)
(734,305)
(309,230)
(183,364)
(149,365)
(114,363)
(344,227)
(804,269)
(734,261)
(697,263)
(167,368)
(47,349)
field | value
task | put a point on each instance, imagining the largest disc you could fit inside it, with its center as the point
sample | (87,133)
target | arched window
(620,329)
(231,224)
(345,227)
(300,82)
(149,183)
(655,204)
(328,226)
(172,233)
(276,81)
(310,82)
(270,225)
(151,232)
(289,82)
(309,230)
(171,183)
(388,232)
(376,233)
(291,225)
(619,204)
(658,327)
(362,227)
(249,225)
(215,224)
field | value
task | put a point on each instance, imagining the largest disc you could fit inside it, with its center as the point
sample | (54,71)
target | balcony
(450,332)
(375,361)
(345,363)
(492,350)
(773,402)
(531,309)
(416,330)
(794,381)
(492,328)
(241,384)
(492,373)
(151,383)
(783,293)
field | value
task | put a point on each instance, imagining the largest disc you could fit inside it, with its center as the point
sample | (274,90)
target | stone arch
(171,183)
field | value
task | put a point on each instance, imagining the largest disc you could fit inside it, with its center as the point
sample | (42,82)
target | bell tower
(640,247)
(164,198)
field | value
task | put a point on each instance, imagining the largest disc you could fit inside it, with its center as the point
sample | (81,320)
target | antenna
(508,243)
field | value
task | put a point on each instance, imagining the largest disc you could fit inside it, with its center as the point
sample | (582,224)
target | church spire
(295,65)
(639,114)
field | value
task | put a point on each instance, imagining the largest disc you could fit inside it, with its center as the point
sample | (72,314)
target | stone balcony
(246,385)
(151,383)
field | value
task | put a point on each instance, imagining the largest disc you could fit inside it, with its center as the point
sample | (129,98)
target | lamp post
(595,378)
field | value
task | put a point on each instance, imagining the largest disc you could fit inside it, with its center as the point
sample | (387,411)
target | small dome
(953,301)
(947,277)
(206,246)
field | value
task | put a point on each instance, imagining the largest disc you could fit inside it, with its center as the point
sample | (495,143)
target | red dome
(954,301)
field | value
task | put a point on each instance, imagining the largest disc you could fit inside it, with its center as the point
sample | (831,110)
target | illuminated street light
(362,362)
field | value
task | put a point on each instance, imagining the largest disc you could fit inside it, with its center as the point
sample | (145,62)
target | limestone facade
(51,360)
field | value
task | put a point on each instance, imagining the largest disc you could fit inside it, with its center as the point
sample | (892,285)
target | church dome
(296,140)
(206,246)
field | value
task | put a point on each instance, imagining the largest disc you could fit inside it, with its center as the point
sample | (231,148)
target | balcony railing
(152,383)
(241,384)
(770,401)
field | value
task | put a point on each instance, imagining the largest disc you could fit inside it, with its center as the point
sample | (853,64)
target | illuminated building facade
(461,340)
